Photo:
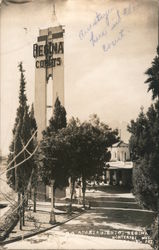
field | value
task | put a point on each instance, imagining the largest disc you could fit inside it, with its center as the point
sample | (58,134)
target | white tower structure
(49,63)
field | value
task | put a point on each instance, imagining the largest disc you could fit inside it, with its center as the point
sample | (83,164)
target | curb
(22,237)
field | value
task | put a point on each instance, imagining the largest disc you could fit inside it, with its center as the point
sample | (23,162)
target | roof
(120,144)
(120,164)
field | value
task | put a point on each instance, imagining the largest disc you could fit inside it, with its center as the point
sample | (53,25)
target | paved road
(109,211)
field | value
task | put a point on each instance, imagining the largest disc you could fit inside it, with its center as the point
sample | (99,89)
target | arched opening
(49,107)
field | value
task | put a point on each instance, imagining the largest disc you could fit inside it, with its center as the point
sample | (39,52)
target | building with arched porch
(119,169)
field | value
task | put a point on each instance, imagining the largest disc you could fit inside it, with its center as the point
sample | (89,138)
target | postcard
(79,107)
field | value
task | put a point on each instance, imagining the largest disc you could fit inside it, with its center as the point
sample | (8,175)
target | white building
(119,169)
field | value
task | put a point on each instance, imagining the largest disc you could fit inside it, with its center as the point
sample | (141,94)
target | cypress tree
(34,181)
(50,169)
(19,177)
(58,120)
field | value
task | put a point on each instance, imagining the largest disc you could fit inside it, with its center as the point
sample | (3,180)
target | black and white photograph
(79,124)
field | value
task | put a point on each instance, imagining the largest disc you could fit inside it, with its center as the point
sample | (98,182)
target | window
(125,156)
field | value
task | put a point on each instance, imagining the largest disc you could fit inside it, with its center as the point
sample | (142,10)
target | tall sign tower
(49,63)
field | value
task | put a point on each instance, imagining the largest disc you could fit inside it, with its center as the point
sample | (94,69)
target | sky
(108,46)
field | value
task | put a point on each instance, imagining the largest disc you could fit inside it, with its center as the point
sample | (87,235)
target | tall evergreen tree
(34,179)
(51,168)
(144,148)
(144,145)
(58,120)
(19,177)
(139,140)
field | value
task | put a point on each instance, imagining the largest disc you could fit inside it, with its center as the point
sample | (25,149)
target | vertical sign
(49,62)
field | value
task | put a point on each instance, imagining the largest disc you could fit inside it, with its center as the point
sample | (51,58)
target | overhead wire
(22,148)
(20,163)
(24,196)
(6,198)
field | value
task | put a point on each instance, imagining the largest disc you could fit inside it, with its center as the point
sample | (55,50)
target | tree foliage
(58,120)
(18,178)
(153,77)
(50,151)
(33,127)
(144,148)
(89,149)
(77,151)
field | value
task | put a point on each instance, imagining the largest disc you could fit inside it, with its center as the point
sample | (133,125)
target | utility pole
(16,189)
